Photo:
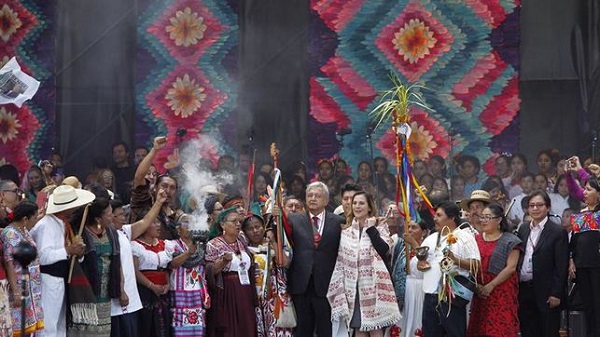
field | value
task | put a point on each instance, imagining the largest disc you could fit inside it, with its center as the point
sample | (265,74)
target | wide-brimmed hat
(477,195)
(72,181)
(67,197)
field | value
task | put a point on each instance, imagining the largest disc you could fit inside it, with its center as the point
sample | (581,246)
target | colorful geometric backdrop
(465,52)
(27,31)
(187,61)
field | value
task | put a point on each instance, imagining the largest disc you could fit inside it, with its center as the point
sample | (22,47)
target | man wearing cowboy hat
(474,206)
(56,243)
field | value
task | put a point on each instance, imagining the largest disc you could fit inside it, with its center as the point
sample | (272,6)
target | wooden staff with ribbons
(276,205)
(250,182)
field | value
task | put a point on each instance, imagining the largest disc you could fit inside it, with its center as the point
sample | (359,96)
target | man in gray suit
(316,238)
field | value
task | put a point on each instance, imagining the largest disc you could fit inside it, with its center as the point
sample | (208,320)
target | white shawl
(359,266)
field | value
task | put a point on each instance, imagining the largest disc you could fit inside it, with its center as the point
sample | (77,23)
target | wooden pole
(81,225)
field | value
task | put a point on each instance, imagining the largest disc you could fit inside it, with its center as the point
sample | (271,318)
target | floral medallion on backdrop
(464,52)
(185,78)
(26,32)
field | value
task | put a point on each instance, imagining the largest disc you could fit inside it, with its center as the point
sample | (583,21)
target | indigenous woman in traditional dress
(189,291)
(24,218)
(125,310)
(494,309)
(364,301)
(584,264)
(409,284)
(5,319)
(102,269)
(271,280)
(153,283)
(233,296)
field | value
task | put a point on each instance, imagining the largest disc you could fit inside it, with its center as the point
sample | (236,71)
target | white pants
(54,306)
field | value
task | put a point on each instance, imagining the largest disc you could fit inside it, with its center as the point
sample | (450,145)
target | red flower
(395,331)
(192,317)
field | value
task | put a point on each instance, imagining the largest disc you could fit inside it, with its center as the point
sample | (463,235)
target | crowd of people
(120,253)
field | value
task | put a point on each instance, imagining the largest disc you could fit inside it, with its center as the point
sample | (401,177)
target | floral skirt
(5,319)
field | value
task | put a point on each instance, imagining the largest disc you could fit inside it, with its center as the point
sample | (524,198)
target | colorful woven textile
(184,74)
(27,32)
(585,221)
(465,52)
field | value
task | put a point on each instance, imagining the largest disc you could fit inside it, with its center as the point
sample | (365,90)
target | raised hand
(161,196)
(159,142)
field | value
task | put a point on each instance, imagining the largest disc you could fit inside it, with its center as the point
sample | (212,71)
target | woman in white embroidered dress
(411,300)
(363,301)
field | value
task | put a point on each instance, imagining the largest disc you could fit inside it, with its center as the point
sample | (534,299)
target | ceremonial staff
(81,226)
(394,109)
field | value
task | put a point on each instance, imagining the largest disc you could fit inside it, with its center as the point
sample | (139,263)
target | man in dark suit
(542,270)
(316,237)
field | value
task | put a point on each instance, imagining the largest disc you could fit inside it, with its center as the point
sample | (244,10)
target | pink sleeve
(583,175)
(575,190)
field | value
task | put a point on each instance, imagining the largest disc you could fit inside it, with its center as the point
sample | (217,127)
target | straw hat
(72,181)
(67,197)
(477,195)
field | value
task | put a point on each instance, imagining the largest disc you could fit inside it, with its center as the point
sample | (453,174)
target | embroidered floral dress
(232,312)
(495,316)
(155,315)
(189,297)
(34,318)
(5,319)
(277,286)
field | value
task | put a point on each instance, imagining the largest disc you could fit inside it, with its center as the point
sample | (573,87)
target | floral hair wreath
(324,161)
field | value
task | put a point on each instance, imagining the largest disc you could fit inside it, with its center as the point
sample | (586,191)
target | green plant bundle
(395,102)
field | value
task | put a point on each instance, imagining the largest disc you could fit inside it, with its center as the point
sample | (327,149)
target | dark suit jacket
(308,261)
(550,262)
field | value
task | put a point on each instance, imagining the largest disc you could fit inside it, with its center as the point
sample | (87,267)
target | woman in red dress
(494,309)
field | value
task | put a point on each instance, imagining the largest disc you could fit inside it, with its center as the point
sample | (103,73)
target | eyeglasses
(536,205)
(232,220)
(17,191)
(486,218)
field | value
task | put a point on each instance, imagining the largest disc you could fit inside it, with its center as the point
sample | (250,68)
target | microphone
(250,134)
(343,132)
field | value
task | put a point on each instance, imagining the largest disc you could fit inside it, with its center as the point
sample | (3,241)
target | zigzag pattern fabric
(27,32)
(465,52)
(186,59)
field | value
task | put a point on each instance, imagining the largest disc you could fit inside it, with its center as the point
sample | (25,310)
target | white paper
(16,87)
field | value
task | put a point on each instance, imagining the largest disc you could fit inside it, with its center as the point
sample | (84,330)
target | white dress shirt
(534,237)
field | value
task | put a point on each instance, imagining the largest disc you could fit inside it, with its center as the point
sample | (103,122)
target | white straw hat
(477,195)
(67,197)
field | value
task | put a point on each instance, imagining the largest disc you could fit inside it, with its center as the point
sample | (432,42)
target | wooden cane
(81,225)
